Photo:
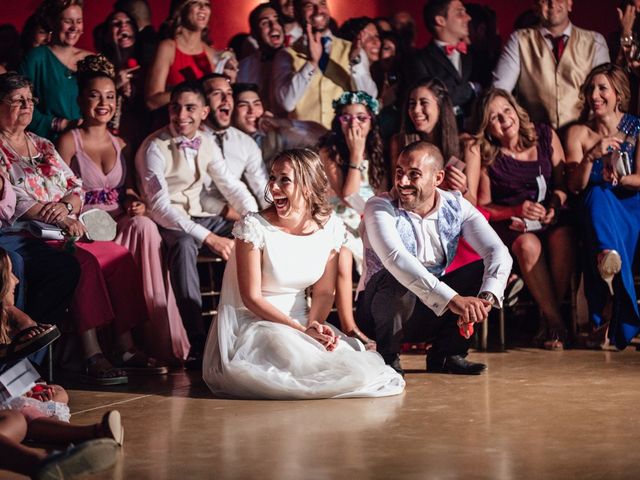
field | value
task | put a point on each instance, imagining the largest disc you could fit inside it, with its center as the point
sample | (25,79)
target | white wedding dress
(252,358)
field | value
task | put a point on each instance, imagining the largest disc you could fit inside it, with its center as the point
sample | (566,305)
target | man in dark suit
(446,55)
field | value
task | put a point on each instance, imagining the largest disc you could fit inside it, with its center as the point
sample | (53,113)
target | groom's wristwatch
(489,297)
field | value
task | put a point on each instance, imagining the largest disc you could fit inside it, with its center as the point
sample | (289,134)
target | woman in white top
(267,342)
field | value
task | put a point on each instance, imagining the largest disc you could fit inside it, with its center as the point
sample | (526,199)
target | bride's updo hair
(310,177)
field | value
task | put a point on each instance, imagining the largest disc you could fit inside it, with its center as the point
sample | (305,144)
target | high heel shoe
(609,265)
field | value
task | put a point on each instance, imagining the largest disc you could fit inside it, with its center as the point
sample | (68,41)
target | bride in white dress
(266,341)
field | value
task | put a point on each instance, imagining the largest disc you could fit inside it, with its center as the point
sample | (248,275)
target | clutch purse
(99,224)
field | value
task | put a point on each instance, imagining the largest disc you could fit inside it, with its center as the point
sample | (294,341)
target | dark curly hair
(94,66)
(336,145)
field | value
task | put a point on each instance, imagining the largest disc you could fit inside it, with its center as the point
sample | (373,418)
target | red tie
(460,46)
(558,43)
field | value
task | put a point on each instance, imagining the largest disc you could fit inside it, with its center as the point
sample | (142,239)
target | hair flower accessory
(351,98)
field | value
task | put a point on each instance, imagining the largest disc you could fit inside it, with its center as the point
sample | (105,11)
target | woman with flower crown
(352,154)
(100,159)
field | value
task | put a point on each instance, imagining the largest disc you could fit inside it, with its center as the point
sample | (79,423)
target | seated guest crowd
(424,165)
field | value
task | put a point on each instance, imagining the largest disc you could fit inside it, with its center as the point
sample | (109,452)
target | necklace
(26,140)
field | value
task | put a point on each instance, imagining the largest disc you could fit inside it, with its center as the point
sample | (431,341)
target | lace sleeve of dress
(250,230)
(338,232)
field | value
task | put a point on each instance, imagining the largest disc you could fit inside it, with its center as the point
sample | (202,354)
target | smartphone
(456,162)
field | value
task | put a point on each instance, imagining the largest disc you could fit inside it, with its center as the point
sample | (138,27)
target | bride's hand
(323,334)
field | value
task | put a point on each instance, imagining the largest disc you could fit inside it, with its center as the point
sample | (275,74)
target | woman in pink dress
(109,291)
(98,157)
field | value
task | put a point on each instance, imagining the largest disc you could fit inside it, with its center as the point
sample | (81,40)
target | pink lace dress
(165,336)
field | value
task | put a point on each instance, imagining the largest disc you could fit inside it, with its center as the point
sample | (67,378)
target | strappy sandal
(138,363)
(22,345)
(100,372)
(555,339)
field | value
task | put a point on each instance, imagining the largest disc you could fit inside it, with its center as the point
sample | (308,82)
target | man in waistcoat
(318,67)
(411,235)
(176,166)
(547,64)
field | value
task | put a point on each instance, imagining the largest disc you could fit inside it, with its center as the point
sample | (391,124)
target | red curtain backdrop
(231,16)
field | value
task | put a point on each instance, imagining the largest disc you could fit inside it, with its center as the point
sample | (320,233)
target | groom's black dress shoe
(455,364)
(394,362)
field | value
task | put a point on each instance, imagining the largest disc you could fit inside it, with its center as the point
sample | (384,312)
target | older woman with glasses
(109,290)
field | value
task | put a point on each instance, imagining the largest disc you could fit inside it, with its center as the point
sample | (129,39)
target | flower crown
(350,98)
(94,64)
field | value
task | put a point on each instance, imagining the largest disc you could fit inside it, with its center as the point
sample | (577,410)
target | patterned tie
(324,59)
(194,143)
(220,140)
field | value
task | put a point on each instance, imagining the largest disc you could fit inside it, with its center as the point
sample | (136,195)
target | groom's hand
(470,309)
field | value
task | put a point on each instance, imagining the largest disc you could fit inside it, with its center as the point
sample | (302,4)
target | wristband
(357,167)
(626,40)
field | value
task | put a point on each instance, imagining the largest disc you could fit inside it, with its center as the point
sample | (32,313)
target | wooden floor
(534,414)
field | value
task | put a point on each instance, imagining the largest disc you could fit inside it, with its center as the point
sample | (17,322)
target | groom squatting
(411,235)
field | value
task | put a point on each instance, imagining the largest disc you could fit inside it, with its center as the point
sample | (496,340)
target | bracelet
(55,124)
(360,167)
(626,40)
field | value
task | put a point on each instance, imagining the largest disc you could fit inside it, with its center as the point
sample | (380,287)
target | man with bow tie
(318,67)
(176,166)
(446,56)
(548,63)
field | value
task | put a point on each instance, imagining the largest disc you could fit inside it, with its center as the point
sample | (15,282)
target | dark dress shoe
(455,364)
(394,362)
(193,361)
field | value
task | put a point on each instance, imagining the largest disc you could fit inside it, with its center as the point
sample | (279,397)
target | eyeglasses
(346,118)
(21,102)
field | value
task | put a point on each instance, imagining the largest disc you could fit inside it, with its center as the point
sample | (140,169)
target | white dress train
(252,358)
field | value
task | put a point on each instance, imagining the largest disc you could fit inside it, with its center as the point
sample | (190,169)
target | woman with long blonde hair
(522,186)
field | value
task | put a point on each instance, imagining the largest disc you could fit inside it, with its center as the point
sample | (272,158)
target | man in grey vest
(411,235)
(177,166)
